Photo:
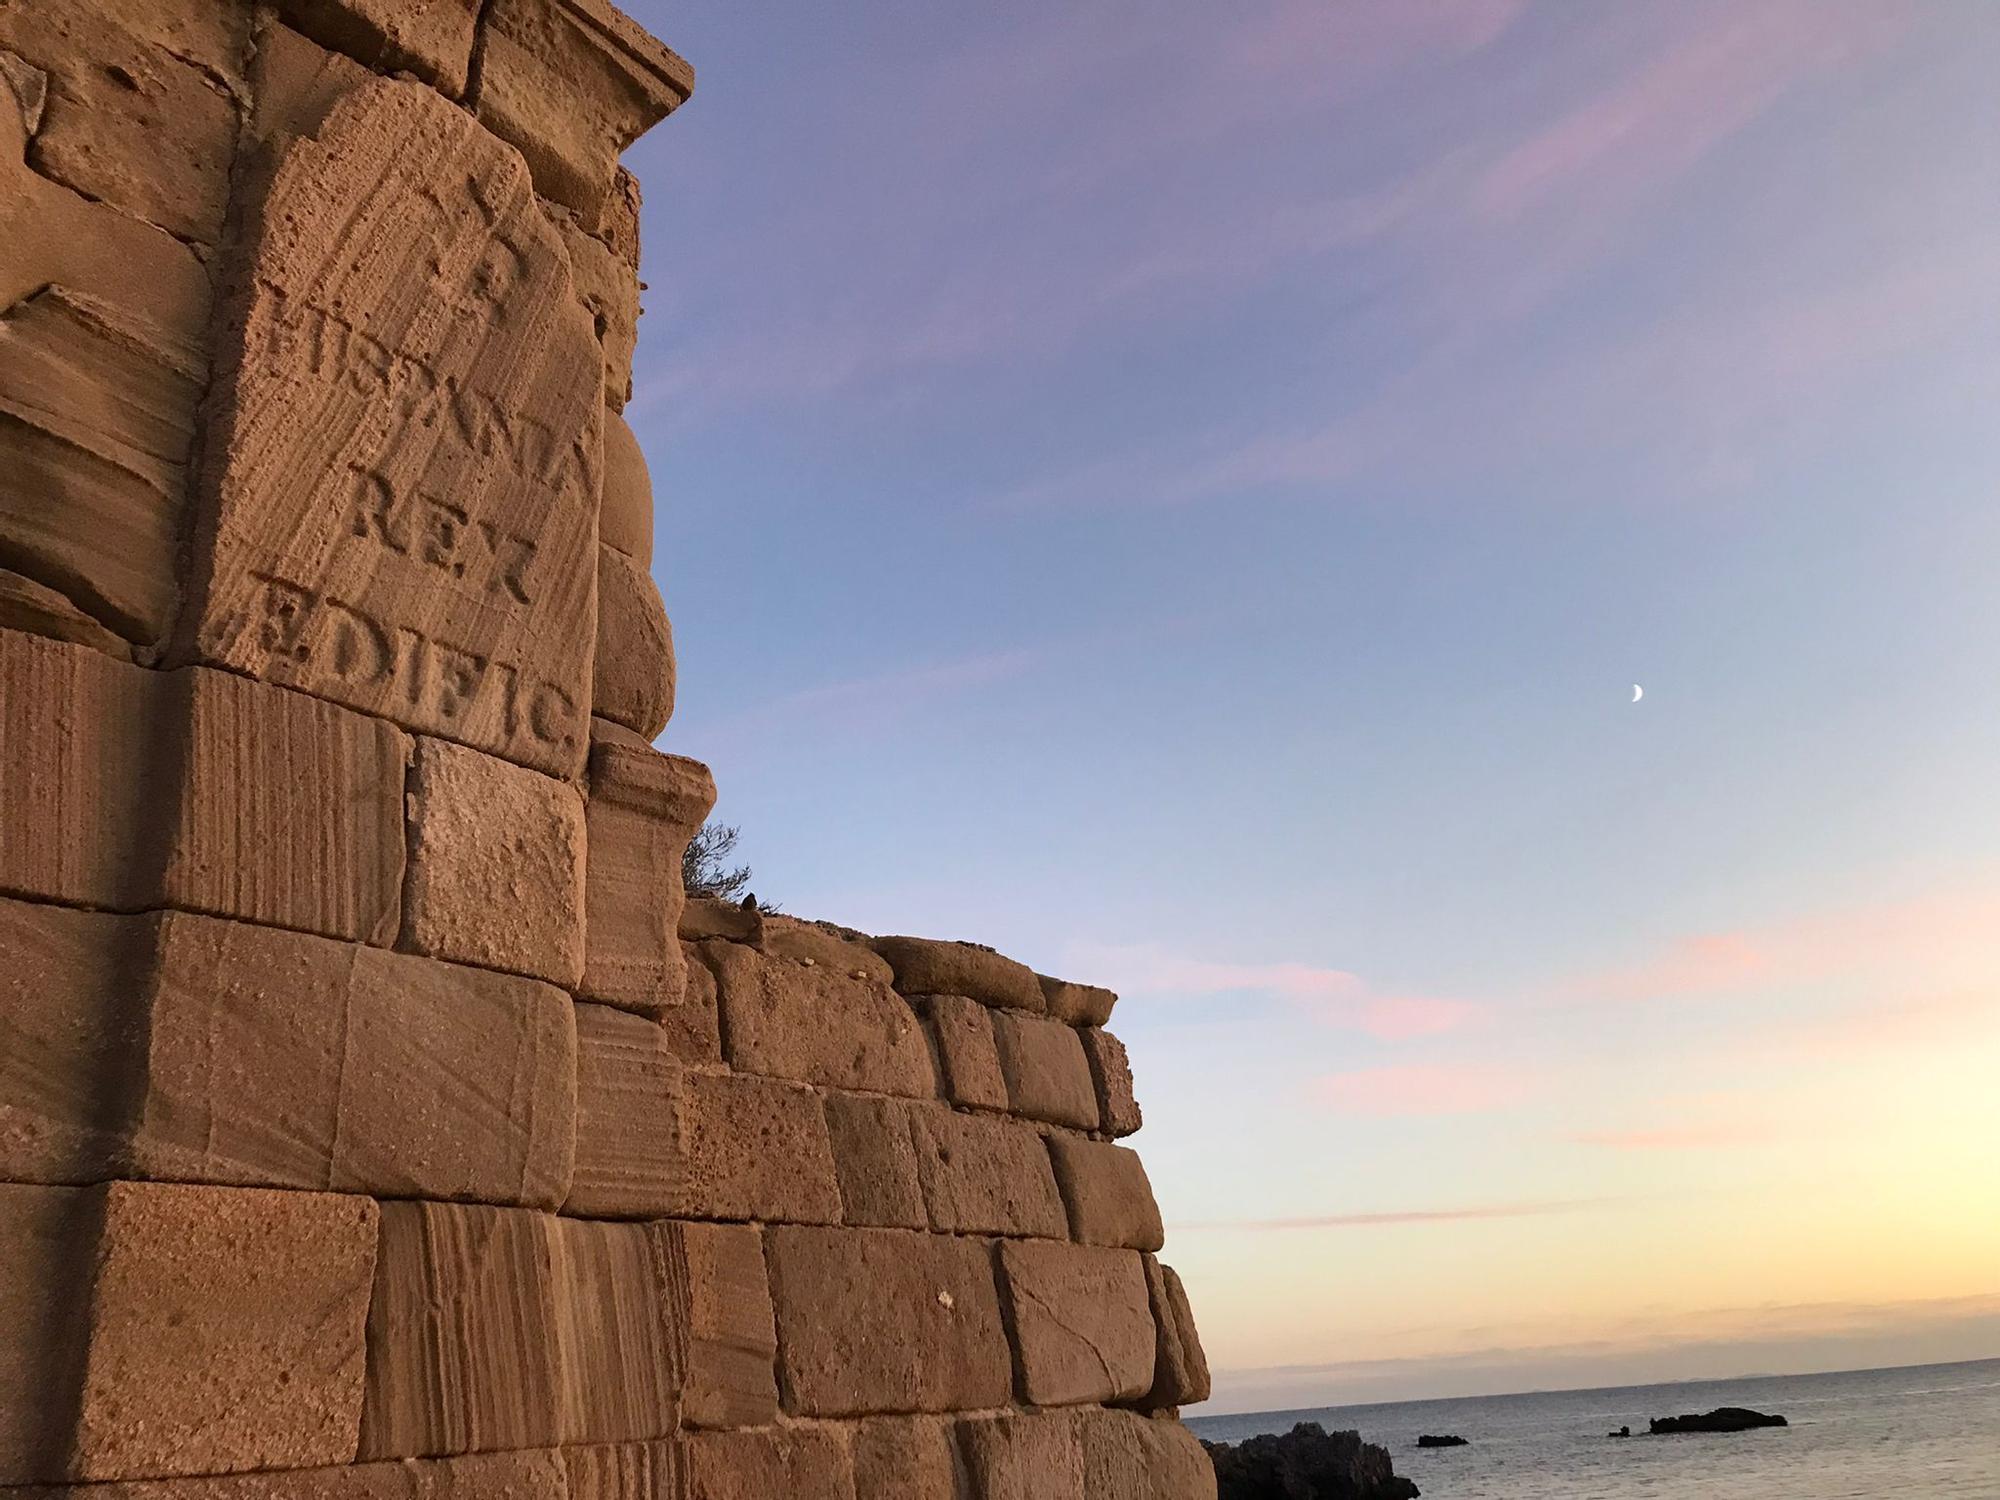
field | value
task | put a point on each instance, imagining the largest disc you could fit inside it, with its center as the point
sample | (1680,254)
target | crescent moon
(1637,692)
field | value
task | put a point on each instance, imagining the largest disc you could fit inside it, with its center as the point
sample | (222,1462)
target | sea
(1923,1431)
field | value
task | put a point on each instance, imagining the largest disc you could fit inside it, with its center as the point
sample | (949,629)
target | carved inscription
(403,516)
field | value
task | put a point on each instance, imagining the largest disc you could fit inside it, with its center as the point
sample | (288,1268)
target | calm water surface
(1924,1431)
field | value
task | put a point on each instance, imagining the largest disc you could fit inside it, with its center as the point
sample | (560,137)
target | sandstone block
(927,967)
(628,1118)
(887,1321)
(705,917)
(430,38)
(1130,1457)
(756,1150)
(985,1176)
(290,811)
(294,85)
(1048,1077)
(618,220)
(621,1349)
(837,949)
(183,1048)
(226,1331)
(626,521)
(691,1028)
(643,808)
(625,1471)
(904,1458)
(1107,1193)
(463,1342)
(609,291)
(291,1061)
(721,1293)
(1024,1457)
(1111,1073)
(398,503)
(785,1019)
(633,681)
(573,83)
(141,113)
(1076,1004)
(810,1463)
(477,1476)
(103,323)
(1082,1321)
(496,865)
(1180,1370)
(876,1162)
(37,609)
(968,1056)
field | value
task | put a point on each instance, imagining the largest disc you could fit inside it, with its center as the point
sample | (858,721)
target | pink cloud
(1335,996)
(1422,1089)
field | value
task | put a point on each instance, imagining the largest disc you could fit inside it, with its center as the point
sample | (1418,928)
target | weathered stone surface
(633,679)
(1180,1369)
(430,38)
(822,943)
(876,1162)
(626,521)
(131,789)
(1111,1074)
(140,111)
(925,966)
(496,865)
(476,1476)
(37,609)
(1108,1195)
(463,1345)
(705,917)
(47,1235)
(968,1056)
(756,1149)
(692,1030)
(811,1463)
(624,1471)
(1130,1457)
(618,220)
(226,1331)
(904,1458)
(721,1292)
(1083,1325)
(399,498)
(628,1118)
(573,83)
(183,1048)
(621,1352)
(294,85)
(786,1019)
(102,320)
(643,808)
(609,291)
(1076,1004)
(985,1176)
(290,1061)
(887,1321)
(1048,1077)
(1024,1457)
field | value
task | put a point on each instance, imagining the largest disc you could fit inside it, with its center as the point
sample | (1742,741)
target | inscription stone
(401,511)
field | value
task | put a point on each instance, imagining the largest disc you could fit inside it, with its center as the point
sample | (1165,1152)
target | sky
(1183,494)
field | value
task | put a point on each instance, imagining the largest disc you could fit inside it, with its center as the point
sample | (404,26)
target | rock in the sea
(1722,1419)
(1307,1463)
(1441,1440)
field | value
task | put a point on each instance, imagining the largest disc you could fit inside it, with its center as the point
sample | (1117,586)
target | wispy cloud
(1410,1089)
(1333,996)
(1719,1137)
(1392,1217)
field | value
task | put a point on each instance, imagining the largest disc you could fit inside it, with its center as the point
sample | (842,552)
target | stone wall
(376,1118)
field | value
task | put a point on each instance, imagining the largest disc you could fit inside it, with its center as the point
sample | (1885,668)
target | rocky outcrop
(1722,1419)
(1307,1463)
(1441,1440)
